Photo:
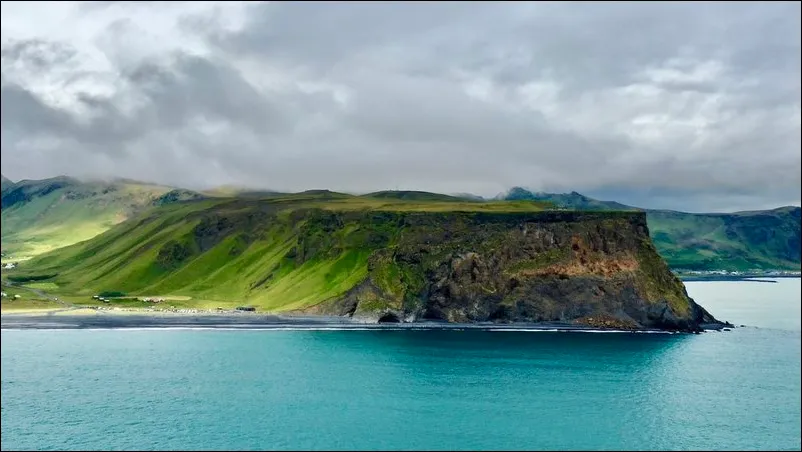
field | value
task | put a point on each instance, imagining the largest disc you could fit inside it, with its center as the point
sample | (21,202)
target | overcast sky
(693,106)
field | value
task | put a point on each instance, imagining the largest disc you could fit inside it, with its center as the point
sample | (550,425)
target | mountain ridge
(693,241)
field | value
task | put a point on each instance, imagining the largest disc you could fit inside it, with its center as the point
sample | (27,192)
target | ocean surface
(442,390)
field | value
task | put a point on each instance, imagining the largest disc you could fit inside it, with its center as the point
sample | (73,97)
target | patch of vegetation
(28,278)
(45,286)
(546,258)
(657,282)
(173,254)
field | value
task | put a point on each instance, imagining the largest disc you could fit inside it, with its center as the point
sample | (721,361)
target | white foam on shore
(579,330)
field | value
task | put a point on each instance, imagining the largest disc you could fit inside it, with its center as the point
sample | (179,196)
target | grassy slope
(40,216)
(225,252)
(739,241)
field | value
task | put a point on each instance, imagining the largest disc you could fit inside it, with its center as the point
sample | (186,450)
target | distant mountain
(42,215)
(5,183)
(768,239)
(469,197)
(412,195)
(228,191)
(573,200)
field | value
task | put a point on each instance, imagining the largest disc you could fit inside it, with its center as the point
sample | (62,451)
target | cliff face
(599,269)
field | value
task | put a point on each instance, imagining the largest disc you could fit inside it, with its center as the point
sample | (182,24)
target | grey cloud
(192,86)
(26,117)
(320,35)
(37,54)
(23,112)
(372,95)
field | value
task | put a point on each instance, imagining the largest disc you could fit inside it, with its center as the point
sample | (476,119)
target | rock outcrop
(598,269)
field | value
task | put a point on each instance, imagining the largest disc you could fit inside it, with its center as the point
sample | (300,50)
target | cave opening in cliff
(389,318)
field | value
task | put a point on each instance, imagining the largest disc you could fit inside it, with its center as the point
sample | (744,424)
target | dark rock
(532,267)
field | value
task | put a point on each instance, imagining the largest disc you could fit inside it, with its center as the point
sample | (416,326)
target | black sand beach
(253,321)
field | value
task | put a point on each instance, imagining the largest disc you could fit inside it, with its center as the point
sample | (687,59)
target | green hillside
(279,253)
(43,215)
(768,239)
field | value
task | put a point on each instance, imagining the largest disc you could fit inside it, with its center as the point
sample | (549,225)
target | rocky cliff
(386,260)
(600,269)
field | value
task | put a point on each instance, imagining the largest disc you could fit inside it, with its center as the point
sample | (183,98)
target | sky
(690,106)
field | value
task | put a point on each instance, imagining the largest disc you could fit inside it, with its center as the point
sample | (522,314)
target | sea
(195,389)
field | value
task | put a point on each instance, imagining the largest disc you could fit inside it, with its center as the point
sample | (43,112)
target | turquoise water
(214,389)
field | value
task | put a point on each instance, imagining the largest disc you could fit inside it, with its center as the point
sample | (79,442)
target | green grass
(69,214)
(28,304)
(280,253)
(741,241)
(44,286)
(27,301)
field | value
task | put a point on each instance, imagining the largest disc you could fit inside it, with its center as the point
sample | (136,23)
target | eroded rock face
(599,269)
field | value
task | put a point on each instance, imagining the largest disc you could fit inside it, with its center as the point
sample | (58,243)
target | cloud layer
(694,106)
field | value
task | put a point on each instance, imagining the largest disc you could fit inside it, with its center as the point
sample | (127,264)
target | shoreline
(241,321)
